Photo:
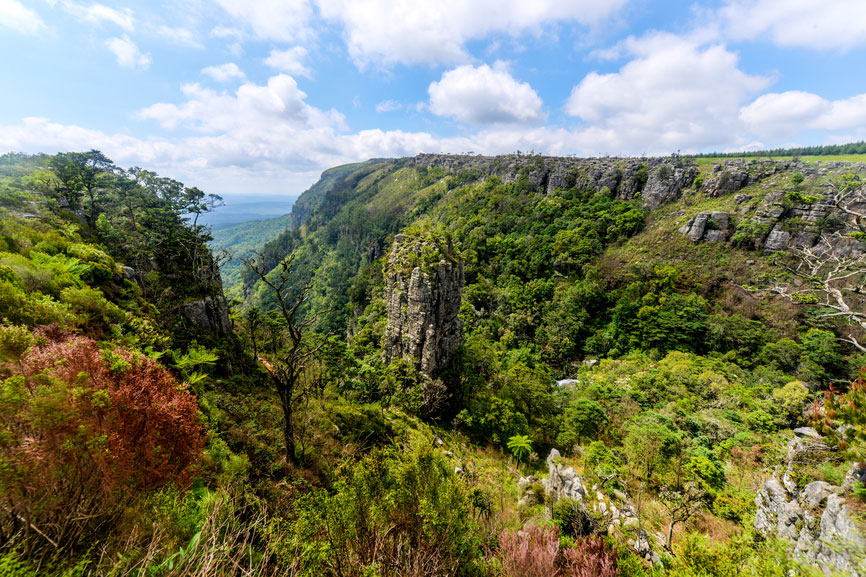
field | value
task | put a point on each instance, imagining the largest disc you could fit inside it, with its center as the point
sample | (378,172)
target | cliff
(423,288)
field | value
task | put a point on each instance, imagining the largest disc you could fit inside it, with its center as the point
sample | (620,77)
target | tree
(832,281)
(520,445)
(584,418)
(290,360)
(82,173)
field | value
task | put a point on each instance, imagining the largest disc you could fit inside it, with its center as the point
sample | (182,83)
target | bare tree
(288,363)
(828,277)
(683,504)
(831,281)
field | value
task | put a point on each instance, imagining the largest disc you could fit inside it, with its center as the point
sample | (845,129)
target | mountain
(241,208)
(237,242)
(437,365)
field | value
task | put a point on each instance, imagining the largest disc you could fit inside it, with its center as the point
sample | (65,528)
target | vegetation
(667,373)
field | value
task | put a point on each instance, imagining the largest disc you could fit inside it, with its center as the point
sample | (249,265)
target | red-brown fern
(78,436)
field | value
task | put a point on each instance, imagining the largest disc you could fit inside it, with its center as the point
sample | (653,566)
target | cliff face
(423,288)
(656,180)
(773,220)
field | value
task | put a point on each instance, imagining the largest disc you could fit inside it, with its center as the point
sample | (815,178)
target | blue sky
(260,96)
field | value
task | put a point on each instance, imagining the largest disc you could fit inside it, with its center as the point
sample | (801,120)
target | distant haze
(244,207)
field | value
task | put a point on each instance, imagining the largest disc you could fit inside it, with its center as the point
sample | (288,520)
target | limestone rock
(209,314)
(815,520)
(562,483)
(423,302)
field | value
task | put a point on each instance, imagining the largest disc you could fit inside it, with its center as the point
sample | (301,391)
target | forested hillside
(444,365)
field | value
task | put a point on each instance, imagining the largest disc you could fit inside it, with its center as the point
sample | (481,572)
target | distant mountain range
(243,208)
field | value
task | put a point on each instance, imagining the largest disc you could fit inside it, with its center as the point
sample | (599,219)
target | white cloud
(787,114)
(819,24)
(388,106)
(436,31)
(674,94)
(100,13)
(279,20)
(484,95)
(180,36)
(290,60)
(227,32)
(15,16)
(127,53)
(224,72)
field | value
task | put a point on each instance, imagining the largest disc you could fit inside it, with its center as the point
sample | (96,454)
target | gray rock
(807,432)
(562,483)
(815,493)
(816,521)
(666,182)
(209,314)
(525,495)
(423,305)
(777,240)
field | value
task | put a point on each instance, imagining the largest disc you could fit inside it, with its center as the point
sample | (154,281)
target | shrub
(394,512)
(531,552)
(76,438)
(590,557)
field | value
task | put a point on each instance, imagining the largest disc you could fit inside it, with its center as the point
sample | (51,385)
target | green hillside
(443,365)
(235,243)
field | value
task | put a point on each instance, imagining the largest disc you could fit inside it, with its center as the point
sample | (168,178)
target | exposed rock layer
(656,180)
(422,303)
(815,519)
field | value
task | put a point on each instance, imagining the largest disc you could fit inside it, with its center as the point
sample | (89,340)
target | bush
(392,513)
(590,557)
(76,438)
(531,552)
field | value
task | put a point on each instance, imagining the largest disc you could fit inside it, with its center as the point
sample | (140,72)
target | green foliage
(520,446)
(583,419)
(386,503)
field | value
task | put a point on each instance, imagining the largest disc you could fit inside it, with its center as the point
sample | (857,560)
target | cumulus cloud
(484,95)
(836,25)
(290,60)
(674,93)
(100,13)
(127,53)
(436,31)
(388,106)
(180,36)
(224,72)
(278,20)
(15,16)
(786,114)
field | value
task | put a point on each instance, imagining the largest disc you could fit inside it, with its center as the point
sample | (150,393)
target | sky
(260,96)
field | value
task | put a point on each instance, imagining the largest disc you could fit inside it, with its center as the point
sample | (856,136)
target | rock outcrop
(210,314)
(814,519)
(603,511)
(771,222)
(708,226)
(423,288)
(656,180)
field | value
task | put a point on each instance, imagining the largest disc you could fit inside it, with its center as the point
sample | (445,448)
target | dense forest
(443,365)
(821,150)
